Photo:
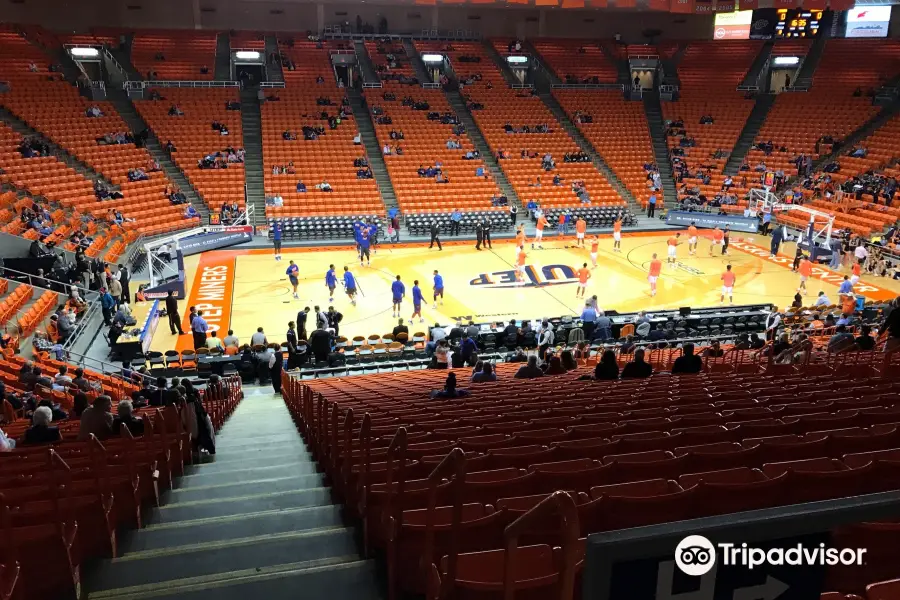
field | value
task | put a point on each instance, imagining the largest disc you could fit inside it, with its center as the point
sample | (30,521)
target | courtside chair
(188,360)
(173,359)
(157,362)
(359,341)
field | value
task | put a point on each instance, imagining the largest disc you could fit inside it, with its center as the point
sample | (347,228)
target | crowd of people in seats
(33,146)
(115,138)
(539,128)
(230,214)
(104,192)
(220,159)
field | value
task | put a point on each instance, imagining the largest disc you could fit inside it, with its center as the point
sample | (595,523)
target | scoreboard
(797,23)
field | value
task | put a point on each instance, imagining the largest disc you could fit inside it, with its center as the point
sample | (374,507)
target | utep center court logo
(534,277)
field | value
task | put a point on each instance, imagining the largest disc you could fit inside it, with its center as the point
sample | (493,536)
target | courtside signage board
(230,236)
(711,221)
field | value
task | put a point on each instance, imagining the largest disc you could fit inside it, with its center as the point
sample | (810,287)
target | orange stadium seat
(184,54)
(576,61)
(193,137)
(425,143)
(329,158)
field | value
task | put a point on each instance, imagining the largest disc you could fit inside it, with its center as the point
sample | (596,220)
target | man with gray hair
(40,431)
(126,417)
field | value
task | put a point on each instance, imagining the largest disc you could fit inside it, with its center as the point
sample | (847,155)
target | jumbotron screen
(767,24)
(797,23)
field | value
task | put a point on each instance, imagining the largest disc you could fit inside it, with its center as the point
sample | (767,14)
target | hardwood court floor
(477,283)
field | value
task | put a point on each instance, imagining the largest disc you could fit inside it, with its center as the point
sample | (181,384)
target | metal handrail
(140,85)
(272,84)
(81,326)
(105,368)
(589,86)
(109,55)
(81,289)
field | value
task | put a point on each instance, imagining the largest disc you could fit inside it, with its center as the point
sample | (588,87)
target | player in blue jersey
(350,285)
(358,227)
(399,292)
(438,289)
(330,282)
(364,247)
(417,302)
(372,228)
(276,238)
(293,271)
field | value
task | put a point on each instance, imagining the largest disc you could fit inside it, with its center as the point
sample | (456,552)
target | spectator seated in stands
(213,342)
(175,111)
(233,105)
(530,370)
(484,374)
(450,390)
(607,368)
(842,340)
(137,175)
(176,196)
(688,362)
(859,152)
(278,201)
(40,431)
(93,111)
(364,173)
(97,419)
(125,410)
(301,187)
(190,212)
(324,187)
(553,366)
(170,147)
(638,367)
(706,120)
(453,144)
(288,135)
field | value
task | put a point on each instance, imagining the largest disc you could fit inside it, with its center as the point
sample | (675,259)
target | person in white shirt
(773,321)
(213,342)
(861,253)
(357,139)
(822,300)
(63,376)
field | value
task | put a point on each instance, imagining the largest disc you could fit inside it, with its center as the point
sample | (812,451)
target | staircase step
(222,557)
(333,577)
(246,525)
(182,511)
(243,488)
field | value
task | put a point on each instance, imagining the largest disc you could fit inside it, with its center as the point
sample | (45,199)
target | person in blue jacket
(350,285)
(438,289)
(364,247)
(398,290)
(330,282)
(276,239)
(417,298)
(293,273)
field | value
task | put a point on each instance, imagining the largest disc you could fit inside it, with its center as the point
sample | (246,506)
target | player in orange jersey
(595,246)
(728,279)
(805,270)
(617,234)
(583,276)
(718,239)
(539,231)
(856,271)
(655,269)
(672,243)
(692,239)
(580,228)
(520,266)
(520,236)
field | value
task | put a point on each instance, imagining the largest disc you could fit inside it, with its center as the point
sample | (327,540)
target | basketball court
(245,289)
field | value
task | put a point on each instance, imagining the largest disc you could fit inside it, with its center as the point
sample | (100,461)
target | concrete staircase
(501,63)
(810,63)
(653,111)
(751,129)
(756,67)
(123,57)
(255,521)
(58,151)
(542,67)
(223,57)
(416,59)
(623,69)
(366,67)
(589,149)
(254,168)
(366,129)
(670,66)
(274,72)
(136,124)
(458,104)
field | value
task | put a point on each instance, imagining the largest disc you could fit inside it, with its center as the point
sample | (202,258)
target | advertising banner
(733,26)
(868,21)
(712,220)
